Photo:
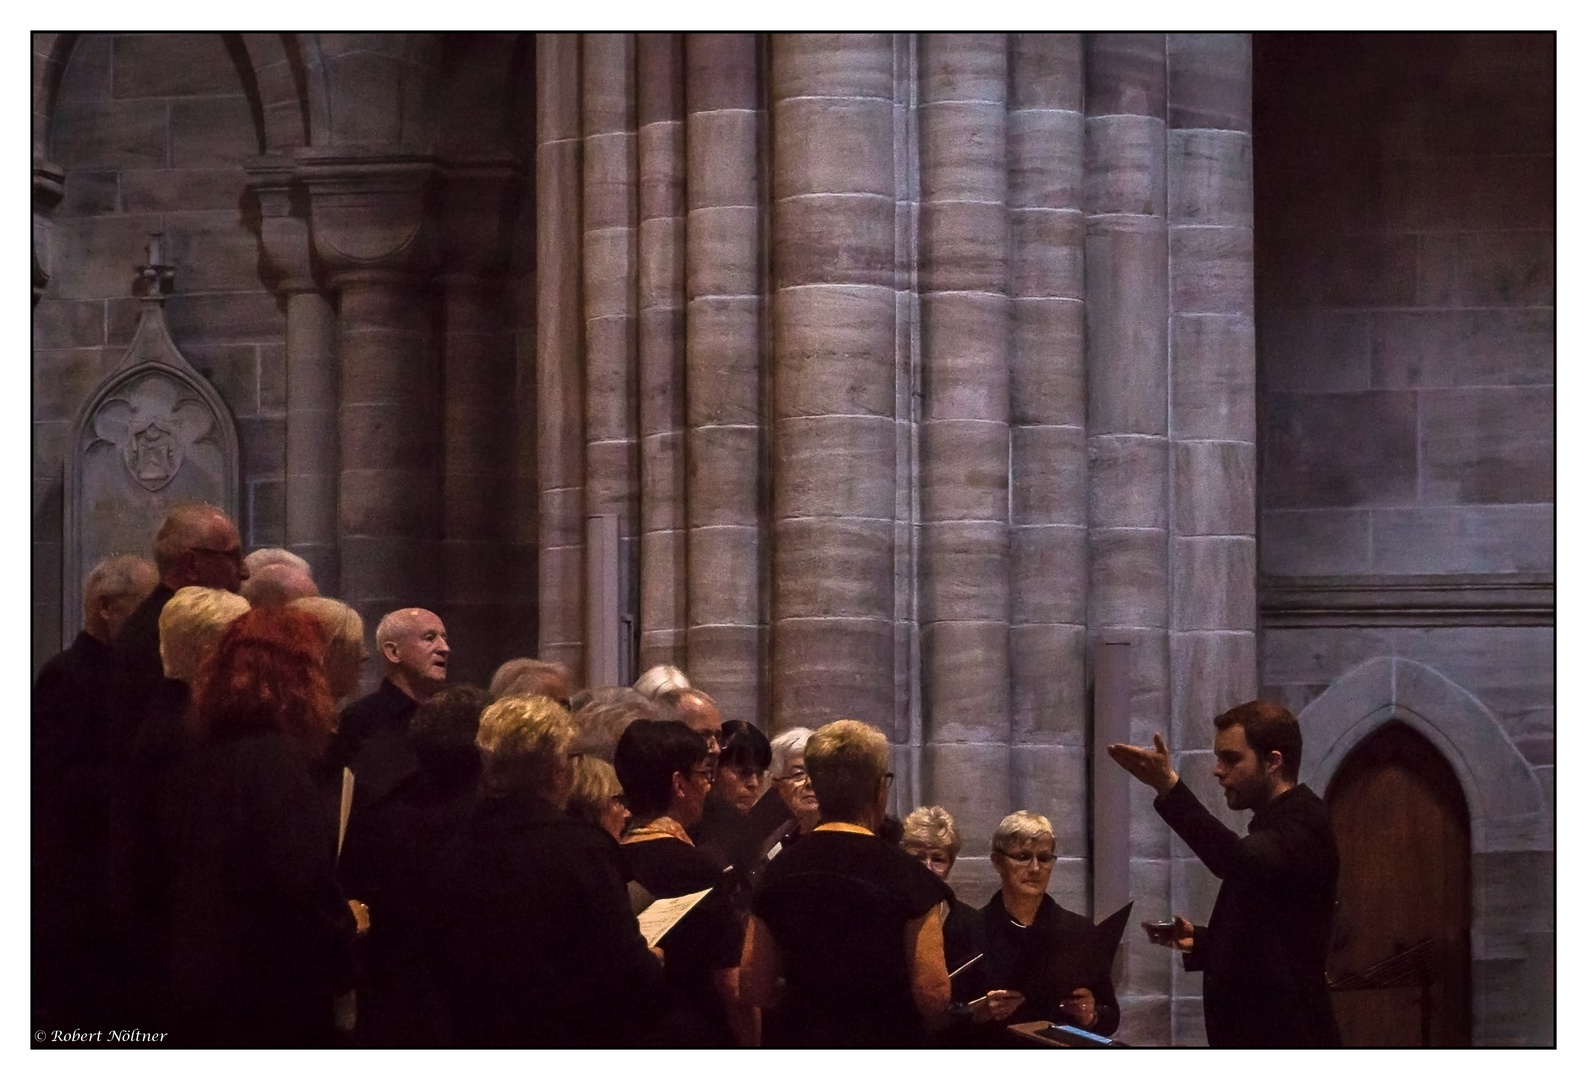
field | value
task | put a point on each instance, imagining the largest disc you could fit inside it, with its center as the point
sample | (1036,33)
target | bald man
(372,736)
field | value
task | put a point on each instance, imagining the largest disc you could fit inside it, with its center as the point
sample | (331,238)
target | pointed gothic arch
(1506,803)
(1512,842)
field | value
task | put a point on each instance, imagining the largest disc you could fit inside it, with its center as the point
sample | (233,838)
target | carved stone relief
(153,434)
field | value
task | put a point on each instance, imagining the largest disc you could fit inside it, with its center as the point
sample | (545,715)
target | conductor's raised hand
(1152,767)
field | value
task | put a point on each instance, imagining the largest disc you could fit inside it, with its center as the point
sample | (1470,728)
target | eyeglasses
(702,772)
(798,776)
(233,554)
(1024,858)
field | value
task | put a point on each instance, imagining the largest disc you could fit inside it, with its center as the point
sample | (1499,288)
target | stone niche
(152,434)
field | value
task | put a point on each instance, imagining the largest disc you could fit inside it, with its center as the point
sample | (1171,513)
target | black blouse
(1046,961)
(837,905)
(709,938)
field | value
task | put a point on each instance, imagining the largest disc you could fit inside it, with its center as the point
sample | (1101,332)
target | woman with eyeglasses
(931,836)
(1033,945)
(665,770)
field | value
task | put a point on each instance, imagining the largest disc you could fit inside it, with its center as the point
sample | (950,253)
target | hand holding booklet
(663,915)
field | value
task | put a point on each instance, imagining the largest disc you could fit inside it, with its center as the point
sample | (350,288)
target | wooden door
(1404,875)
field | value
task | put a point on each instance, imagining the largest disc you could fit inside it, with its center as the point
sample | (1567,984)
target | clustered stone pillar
(559,345)
(1126,268)
(610,269)
(833,333)
(724,369)
(663,569)
(1047,392)
(964,433)
(1212,423)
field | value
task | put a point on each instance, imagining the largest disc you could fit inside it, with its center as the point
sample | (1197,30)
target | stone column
(663,549)
(724,370)
(481,609)
(964,495)
(559,381)
(1047,394)
(611,280)
(1212,426)
(1126,267)
(833,355)
(311,465)
(370,224)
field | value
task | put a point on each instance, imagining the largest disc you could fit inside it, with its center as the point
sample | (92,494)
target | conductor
(1264,950)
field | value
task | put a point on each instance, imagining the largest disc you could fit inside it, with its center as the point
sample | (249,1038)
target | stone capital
(369,212)
(283,224)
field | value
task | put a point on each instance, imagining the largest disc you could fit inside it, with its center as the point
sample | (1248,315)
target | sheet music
(346,809)
(663,915)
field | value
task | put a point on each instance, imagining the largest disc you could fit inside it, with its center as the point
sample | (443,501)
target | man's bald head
(198,544)
(278,584)
(412,644)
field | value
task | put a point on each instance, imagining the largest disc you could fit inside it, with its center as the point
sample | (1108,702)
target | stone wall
(1406,298)
(150,132)
(352,278)
(1405,305)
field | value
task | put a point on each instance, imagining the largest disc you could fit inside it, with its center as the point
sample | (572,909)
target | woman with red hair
(261,937)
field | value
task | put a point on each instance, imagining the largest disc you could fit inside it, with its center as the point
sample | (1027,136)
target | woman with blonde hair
(529,929)
(845,935)
(931,836)
(597,797)
(345,653)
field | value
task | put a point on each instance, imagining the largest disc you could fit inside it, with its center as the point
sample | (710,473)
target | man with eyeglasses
(696,711)
(197,544)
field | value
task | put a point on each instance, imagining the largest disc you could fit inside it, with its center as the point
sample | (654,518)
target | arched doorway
(1404,878)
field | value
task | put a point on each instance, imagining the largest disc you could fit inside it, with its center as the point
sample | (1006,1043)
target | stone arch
(287,96)
(1512,859)
(379,89)
(1506,802)
(50,53)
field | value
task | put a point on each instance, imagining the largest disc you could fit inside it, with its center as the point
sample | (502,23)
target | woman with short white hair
(794,811)
(1034,946)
